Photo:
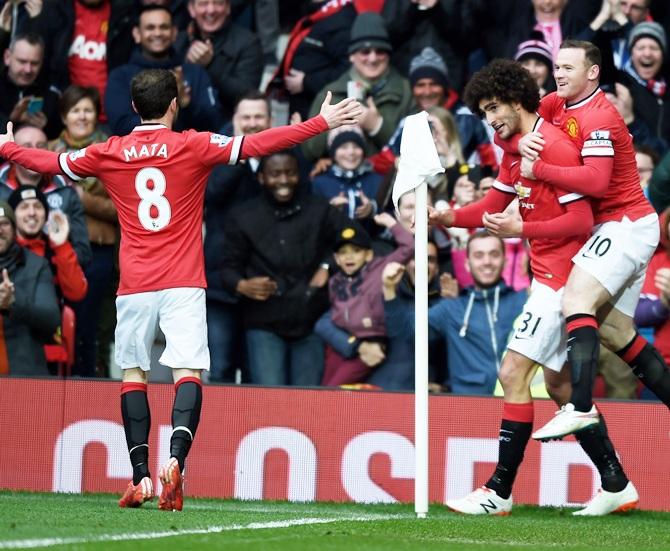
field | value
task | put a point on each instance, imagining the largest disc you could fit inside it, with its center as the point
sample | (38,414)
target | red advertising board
(304,445)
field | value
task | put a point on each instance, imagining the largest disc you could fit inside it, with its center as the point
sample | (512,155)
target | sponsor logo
(522,192)
(600,135)
(88,49)
(571,127)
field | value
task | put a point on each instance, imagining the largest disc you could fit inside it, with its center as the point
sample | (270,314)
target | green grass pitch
(94,521)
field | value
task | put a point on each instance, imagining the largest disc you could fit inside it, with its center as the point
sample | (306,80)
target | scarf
(655,86)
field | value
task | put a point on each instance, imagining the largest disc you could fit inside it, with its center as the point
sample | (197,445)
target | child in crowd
(350,183)
(356,301)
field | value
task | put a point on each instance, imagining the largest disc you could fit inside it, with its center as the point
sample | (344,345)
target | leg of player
(136,423)
(495,497)
(618,333)
(617,493)
(583,296)
(185,420)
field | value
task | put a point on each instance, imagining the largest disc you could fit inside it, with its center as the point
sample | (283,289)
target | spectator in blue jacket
(350,184)
(155,34)
(475,324)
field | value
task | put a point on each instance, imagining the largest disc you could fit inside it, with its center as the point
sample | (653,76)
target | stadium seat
(62,354)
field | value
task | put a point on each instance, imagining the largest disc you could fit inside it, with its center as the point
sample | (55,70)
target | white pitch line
(51,542)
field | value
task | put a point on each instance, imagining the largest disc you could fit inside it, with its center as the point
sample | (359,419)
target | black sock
(185,417)
(596,443)
(583,355)
(648,366)
(136,423)
(512,442)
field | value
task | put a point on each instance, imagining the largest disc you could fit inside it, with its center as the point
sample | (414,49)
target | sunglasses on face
(377,51)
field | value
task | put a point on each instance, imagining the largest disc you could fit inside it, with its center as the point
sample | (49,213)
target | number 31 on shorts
(152,197)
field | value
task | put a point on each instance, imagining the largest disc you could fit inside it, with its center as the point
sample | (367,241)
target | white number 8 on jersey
(152,197)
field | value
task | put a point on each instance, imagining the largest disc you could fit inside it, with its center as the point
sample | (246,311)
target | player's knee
(512,379)
(574,303)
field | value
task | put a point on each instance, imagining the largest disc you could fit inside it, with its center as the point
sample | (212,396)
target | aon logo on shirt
(88,49)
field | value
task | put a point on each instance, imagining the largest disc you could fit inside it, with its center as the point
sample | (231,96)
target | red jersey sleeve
(470,216)
(216,149)
(39,160)
(593,177)
(549,106)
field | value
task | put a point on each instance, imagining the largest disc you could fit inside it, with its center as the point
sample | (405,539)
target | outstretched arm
(39,160)
(276,139)
(470,216)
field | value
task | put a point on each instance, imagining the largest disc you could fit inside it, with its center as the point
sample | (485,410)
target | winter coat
(285,242)
(202,113)
(60,196)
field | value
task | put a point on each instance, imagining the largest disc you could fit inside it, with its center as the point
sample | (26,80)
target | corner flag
(418,156)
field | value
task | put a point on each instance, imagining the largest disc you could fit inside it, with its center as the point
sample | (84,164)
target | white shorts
(541,333)
(617,255)
(181,315)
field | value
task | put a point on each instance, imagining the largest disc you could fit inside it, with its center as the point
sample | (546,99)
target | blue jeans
(274,360)
(225,340)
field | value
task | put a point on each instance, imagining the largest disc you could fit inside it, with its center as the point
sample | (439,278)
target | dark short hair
(151,7)
(481,234)
(505,80)
(591,52)
(152,90)
(283,153)
(254,95)
(73,94)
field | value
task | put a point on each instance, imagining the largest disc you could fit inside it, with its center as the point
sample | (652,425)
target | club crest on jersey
(220,140)
(522,192)
(77,154)
(572,127)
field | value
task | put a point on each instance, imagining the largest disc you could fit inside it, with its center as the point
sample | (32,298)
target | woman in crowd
(79,109)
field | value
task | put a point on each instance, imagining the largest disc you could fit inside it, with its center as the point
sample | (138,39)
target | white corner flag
(418,156)
(418,161)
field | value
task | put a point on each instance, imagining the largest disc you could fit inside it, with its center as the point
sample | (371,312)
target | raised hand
(392,274)
(6,291)
(9,136)
(58,227)
(341,113)
(531,144)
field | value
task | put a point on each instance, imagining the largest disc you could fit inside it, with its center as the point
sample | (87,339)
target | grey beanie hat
(648,29)
(369,31)
(428,64)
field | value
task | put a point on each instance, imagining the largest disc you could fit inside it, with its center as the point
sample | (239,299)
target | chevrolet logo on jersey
(571,127)
(522,192)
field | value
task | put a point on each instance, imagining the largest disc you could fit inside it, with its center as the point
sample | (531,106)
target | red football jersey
(598,130)
(156,178)
(550,259)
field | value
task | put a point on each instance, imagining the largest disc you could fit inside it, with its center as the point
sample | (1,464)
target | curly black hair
(504,80)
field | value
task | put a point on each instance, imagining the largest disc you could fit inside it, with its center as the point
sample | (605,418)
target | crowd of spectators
(303,249)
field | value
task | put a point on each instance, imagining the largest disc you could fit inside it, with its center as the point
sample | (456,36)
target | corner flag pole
(421,353)
(418,161)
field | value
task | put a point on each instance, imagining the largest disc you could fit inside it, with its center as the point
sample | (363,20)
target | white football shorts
(181,315)
(540,333)
(617,255)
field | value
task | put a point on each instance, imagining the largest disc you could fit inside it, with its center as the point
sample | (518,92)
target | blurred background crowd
(295,243)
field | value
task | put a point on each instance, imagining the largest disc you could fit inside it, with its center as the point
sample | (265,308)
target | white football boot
(483,501)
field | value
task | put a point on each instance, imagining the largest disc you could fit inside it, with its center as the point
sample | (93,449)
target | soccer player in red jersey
(157,178)
(604,285)
(557,223)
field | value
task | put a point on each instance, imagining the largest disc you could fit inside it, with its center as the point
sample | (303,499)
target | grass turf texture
(94,521)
